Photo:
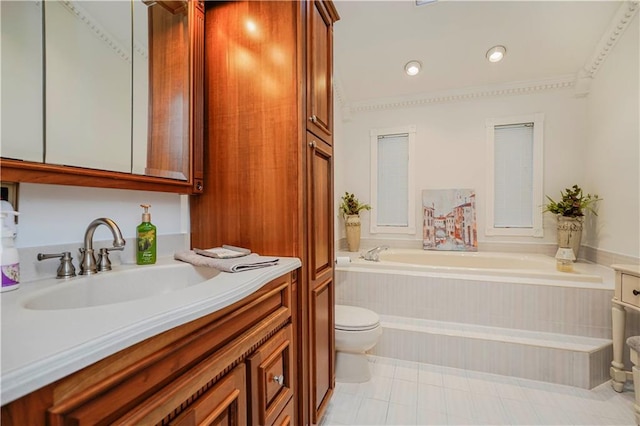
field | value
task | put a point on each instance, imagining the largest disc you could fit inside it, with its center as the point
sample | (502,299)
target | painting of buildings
(449,219)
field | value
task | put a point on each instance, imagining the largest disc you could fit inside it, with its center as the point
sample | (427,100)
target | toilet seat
(354,318)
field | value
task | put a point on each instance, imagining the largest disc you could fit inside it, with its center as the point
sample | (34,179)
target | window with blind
(514,165)
(392,195)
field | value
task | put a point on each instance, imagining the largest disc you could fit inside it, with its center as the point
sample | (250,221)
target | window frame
(374,228)
(538,176)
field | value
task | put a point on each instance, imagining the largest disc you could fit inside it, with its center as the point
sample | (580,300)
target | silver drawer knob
(279,379)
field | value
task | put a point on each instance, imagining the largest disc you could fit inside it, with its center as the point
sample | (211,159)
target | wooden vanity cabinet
(230,367)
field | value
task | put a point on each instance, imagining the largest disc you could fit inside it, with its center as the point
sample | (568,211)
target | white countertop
(42,346)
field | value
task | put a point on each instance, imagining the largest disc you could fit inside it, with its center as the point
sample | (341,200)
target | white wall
(54,215)
(592,141)
(612,167)
(451,150)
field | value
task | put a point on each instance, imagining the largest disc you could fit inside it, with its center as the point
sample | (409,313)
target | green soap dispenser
(146,239)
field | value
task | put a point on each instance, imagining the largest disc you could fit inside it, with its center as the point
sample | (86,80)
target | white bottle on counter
(9,259)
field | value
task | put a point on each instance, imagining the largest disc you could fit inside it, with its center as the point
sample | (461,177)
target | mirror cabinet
(103,93)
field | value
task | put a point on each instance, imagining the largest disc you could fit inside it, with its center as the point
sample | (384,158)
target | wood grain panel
(319,69)
(287,416)
(273,359)
(322,347)
(320,211)
(265,188)
(24,171)
(252,167)
(196,110)
(168,136)
(224,404)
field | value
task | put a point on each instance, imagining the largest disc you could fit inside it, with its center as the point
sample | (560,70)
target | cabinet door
(223,404)
(322,347)
(320,18)
(270,378)
(320,209)
(320,270)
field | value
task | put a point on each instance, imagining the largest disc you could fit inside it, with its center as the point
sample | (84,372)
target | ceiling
(544,40)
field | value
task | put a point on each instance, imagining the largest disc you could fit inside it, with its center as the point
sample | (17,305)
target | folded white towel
(238,264)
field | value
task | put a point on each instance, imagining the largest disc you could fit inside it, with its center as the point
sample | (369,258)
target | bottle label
(146,247)
(10,275)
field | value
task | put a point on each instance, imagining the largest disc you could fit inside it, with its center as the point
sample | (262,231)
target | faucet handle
(87,262)
(104,264)
(66,268)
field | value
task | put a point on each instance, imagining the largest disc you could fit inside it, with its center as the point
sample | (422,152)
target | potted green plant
(570,212)
(350,208)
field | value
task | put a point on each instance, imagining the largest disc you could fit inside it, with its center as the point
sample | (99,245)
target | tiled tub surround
(550,330)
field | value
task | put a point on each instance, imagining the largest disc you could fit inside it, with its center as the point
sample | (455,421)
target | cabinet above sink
(117,98)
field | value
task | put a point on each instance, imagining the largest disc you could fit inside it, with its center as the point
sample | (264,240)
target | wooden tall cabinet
(269,161)
(320,19)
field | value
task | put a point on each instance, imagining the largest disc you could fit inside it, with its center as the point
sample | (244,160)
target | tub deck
(501,267)
(541,326)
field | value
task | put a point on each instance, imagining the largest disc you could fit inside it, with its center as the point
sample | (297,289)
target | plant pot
(570,232)
(352,224)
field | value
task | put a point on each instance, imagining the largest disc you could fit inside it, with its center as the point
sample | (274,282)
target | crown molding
(609,39)
(466,94)
(580,82)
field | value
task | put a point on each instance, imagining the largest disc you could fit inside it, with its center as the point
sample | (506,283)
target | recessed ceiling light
(412,67)
(496,53)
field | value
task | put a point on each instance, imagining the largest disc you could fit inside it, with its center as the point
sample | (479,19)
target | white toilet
(357,331)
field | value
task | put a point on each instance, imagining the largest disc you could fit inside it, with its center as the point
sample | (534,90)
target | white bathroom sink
(119,286)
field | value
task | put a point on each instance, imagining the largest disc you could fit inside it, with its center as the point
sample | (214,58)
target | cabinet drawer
(270,377)
(287,416)
(224,404)
(629,283)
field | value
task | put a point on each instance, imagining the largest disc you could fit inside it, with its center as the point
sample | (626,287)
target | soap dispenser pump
(9,255)
(146,239)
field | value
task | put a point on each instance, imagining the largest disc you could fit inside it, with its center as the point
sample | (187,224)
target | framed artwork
(449,219)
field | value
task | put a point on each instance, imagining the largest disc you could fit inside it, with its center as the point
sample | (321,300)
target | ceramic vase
(352,224)
(570,233)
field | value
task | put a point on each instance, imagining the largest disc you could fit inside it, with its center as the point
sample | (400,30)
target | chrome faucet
(88,261)
(374,253)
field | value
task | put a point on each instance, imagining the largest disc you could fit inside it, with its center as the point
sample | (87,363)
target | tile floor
(410,393)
